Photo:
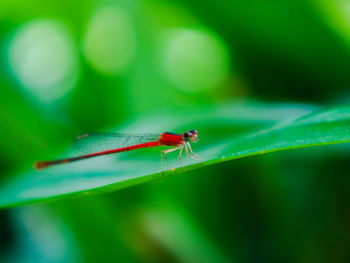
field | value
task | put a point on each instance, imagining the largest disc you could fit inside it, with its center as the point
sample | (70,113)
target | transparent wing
(95,142)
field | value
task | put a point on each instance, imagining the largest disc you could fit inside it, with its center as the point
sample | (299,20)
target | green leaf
(226,132)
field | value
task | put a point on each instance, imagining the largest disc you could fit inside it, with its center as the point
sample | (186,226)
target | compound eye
(193,132)
(186,135)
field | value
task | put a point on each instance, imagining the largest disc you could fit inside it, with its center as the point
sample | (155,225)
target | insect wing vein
(96,142)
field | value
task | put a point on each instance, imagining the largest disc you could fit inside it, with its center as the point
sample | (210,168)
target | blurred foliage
(68,67)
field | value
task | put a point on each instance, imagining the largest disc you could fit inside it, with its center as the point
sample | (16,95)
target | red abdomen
(170,139)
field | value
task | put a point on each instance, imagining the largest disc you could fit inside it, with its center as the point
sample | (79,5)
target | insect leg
(187,153)
(165,152)
(193,153)
(180,154)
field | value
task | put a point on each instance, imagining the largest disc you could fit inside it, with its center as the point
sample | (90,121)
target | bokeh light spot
(110,40)
(195,60)
(43,59)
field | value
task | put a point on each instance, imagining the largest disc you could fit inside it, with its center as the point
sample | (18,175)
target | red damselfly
(98,144)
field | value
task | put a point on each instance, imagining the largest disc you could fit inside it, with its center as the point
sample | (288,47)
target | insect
(108,143)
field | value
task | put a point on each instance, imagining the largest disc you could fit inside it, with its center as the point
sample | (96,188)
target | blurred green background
(75,66)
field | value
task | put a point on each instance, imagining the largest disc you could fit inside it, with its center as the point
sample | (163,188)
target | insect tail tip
(40,165)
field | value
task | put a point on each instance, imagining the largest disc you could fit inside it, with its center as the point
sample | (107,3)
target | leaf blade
(305,130)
